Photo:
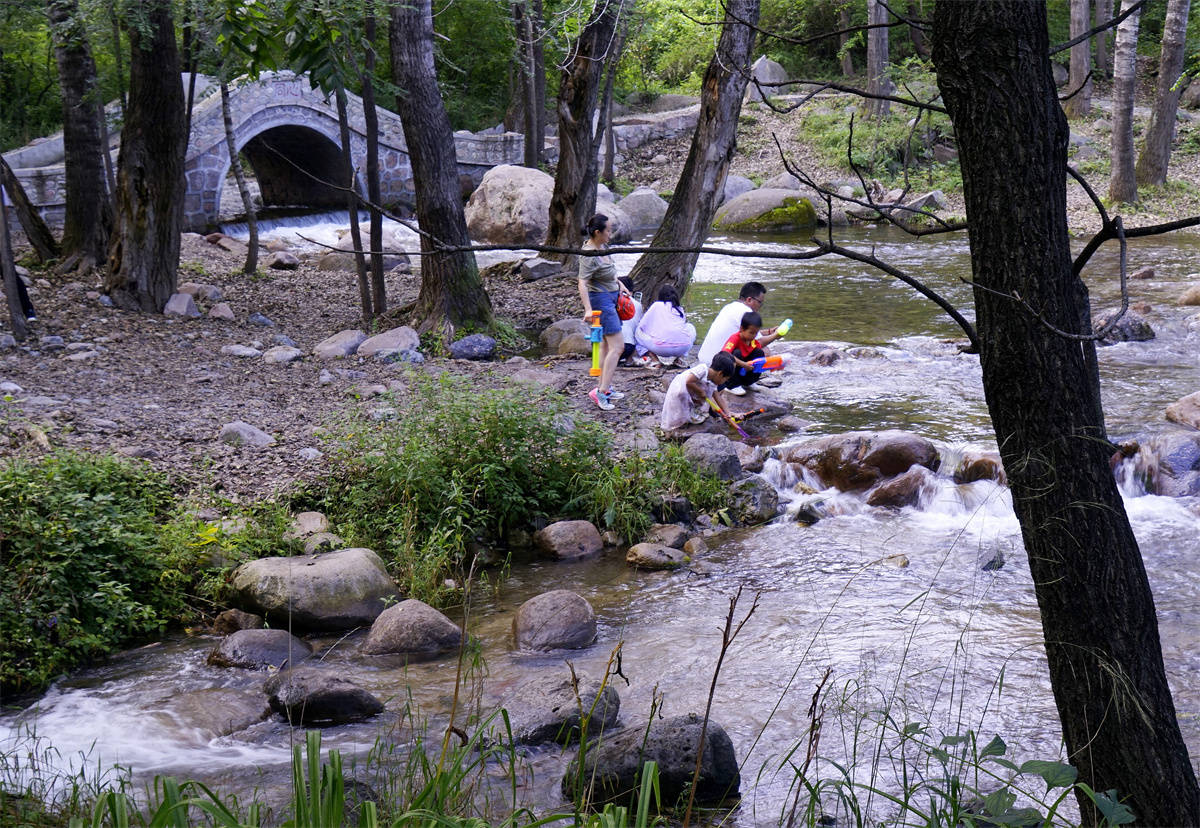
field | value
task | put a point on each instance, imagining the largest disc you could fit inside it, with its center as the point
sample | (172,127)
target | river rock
(566,336)
(768,72)
(984,465)
(321,541)
(312,696)
(752,458)
(305,524)
(655,556)
(233,620)
(330,591)
(903,490)
(1190,97)
(478,347)
(714,454)
(181,305)
(281,355)
(214,711)
(753,500)
(241,351)
(1130,328)
(205,292)
(239,433)
(667,534)
(1174,467)
(1191,296)
(402,338)
(1186,411)
(735,185)
(261,320)
(857,460)
(548,710)
(412,628)
(567,539)
(556,620)
(341,344)
(695,547)
(538,268)
(613,767)
(644,208)
(282,260)
(766,210)
(221,311)
(511,205)
(260,649)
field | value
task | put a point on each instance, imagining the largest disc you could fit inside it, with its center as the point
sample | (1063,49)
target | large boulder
(667,534)
(857,460)
(1185,411)
(768,73)
(735,185)
(260,649)
(566,336)
(903,490)
(511,205)
(556,620)
(644,209)
(753,500)
(341,344)
(312,696)
(613,767)
(1130,328)
(402,338)
(329,591)
(548,709)
(412,628)
(655,556)
(766,210)
(713,453)
(568,539)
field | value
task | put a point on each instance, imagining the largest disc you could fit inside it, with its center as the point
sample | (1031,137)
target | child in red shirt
(745,346)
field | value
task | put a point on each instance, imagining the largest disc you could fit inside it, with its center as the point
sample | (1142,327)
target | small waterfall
(321,223)
(1135,474)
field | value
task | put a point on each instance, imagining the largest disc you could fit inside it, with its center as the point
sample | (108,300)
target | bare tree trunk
(877,59)
(89,211)
(528,86)
(574,198)
(8,270)
(1098,619)
(698,192)
(539,77)
(844,39)
(39,235)
(606,117)
(920,40)
(1122,182)
(1078,82)
(452,294)
(235,162)
(144,255)
(348,178)
(1156,149)
(1104,13)
(115,21)
(374,193)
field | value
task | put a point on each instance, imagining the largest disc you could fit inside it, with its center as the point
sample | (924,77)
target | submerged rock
(552,710)
(654,556)
(903,490)
(857,460)
(257,649)
(556,620)
(312,696)
(1130,328)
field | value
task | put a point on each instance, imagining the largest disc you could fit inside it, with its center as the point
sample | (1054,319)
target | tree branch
(1113,23)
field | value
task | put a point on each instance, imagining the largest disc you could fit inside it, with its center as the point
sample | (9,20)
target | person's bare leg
(610,352)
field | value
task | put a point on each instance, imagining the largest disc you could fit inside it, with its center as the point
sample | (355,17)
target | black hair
(752,290)
(723,363)
(751,318)
(627,282)
(595,224)
(667,293)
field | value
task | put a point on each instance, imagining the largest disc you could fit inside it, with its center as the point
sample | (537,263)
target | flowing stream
(939,642)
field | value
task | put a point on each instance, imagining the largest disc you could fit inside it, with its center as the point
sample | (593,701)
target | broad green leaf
(1055,774)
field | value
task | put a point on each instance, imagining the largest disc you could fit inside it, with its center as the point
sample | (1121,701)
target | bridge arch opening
(295,166)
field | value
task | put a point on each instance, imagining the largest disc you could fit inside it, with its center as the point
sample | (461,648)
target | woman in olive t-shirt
(599,288)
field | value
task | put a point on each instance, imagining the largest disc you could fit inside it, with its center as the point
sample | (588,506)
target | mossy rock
(767,210)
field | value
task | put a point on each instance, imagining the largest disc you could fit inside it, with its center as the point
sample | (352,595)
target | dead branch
(1109,24)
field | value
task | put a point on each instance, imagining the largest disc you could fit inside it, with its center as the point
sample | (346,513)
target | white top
(727,323)
(629,326)
(664,322)
(678,405)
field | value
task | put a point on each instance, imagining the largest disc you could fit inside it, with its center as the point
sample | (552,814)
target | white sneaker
(614,394)
(737,391)
(699,415)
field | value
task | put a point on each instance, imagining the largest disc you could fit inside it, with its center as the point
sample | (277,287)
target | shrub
(78,538)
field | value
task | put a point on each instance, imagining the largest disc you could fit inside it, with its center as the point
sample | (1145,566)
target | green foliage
(475,60)
(460,464)
(78,537)
(667,50)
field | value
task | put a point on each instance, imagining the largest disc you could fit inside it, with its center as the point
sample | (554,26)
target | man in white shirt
(729,320)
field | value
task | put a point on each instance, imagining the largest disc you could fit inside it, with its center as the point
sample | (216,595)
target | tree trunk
(144,256)
(877,59)
(539,76)
(606,117)
(89,212)
(35,228)
(374,193)
(1156,150)
(348,181)
(528,86)
(702,182)
(1098,619)
(1122,182)
(844,40)
(452,294)
(1104,13)
(235,161)
(918,36)
(1079,85)
(8,273)
(574,198)
(115,21)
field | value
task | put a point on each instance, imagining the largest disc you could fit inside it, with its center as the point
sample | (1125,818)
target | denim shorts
(606,303)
